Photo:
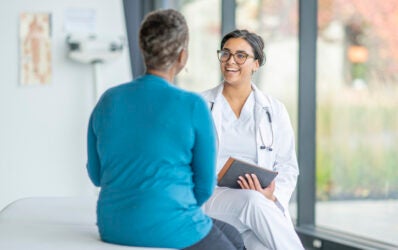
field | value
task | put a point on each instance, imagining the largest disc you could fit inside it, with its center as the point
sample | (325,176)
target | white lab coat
(262,223)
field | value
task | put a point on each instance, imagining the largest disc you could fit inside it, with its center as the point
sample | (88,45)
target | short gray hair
(163,34)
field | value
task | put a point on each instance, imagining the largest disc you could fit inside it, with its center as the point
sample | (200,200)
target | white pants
(262,224)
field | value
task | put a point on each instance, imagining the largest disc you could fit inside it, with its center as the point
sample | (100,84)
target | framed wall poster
(35,48)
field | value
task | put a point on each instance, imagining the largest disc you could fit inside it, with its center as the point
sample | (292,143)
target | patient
(151,149)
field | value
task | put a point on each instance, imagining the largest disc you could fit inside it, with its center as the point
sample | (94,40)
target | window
(202,70)
(357,118)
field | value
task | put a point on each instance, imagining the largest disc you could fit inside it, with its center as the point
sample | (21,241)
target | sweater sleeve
(93,162)
(204,152)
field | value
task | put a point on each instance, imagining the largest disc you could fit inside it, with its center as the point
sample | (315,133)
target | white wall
(43,128)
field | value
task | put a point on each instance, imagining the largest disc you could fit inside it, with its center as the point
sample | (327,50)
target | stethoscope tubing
(263,146)
(268,147)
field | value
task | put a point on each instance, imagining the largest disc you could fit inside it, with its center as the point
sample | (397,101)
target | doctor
(255,128)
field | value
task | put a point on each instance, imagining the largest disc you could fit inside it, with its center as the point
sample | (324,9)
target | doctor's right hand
(250,181)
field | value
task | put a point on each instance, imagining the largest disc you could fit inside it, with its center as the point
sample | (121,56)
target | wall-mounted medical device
(94,50)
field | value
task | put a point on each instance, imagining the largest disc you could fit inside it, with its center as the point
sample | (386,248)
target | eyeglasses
(239,57)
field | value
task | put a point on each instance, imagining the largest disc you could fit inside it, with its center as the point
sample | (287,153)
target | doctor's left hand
(250,181)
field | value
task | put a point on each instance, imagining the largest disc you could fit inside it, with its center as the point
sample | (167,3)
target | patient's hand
(250,181)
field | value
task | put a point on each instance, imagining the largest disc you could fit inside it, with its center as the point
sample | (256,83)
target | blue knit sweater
(151,149)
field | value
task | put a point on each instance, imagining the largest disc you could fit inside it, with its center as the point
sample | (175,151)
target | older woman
(255,128)
(151,149)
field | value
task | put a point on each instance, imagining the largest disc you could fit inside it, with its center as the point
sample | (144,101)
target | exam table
(53,223)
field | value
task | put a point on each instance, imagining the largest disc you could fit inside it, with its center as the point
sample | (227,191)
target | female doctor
(255,128)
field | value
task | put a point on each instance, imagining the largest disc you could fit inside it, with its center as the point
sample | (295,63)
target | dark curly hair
(255,41)
(163,34)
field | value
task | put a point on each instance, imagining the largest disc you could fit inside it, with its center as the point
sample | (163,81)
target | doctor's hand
(250,181)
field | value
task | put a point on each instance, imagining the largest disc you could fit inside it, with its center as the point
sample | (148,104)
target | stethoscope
(263,146)
(267,147)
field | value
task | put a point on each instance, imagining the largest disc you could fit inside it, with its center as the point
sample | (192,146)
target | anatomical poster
(35,48)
